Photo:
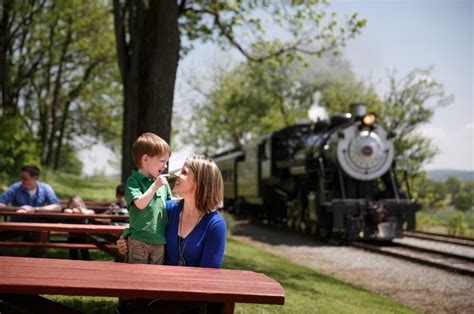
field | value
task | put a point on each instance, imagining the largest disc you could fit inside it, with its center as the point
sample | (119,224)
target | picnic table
(23,280)
(108,233)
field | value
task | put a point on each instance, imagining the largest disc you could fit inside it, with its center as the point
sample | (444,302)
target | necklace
(181,260)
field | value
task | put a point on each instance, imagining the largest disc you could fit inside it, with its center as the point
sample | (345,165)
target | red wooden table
(22,280)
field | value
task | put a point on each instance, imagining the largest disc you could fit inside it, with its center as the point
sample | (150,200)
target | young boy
(147,192)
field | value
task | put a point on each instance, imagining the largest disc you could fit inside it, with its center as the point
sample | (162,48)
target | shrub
(457,225)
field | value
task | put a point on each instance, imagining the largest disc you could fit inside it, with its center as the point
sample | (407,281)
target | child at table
(146,193)
(76,206)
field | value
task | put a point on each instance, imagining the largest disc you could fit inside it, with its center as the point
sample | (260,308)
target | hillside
(443,174)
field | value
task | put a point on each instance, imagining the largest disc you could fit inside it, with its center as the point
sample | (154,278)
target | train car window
(264,150)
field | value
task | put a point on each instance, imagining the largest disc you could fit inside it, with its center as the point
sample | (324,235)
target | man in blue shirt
(30,194)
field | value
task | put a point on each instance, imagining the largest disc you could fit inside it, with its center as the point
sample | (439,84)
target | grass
(306,291)
(97,188)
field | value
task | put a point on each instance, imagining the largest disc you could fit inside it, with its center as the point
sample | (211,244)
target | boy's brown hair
(149,144)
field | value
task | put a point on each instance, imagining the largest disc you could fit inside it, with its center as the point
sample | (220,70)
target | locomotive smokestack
(358,110)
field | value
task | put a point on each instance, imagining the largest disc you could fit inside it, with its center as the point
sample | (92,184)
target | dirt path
(420,287)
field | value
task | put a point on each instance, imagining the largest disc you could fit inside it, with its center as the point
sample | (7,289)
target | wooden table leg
(44,236)
(114,253)
(220,308)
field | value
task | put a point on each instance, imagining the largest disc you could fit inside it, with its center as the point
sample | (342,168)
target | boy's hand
(160,181)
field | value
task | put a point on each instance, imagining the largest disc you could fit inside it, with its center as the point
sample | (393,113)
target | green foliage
(17,148)
(465,198)
(307,25)
(463,201)
(69,162)
(453,185)
(409,103)
(424,220)
(236,112)
(429,193)
(446,221)
(435,194)
(97,188)
(62,79)
(456,225)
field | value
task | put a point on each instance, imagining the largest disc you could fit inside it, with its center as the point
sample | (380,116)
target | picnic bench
(107,233)
(10,211)
(23,280)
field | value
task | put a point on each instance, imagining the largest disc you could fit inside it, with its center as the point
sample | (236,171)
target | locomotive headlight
(369,119)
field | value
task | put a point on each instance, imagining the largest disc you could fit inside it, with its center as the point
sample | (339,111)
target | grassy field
(97,188)
(306,291)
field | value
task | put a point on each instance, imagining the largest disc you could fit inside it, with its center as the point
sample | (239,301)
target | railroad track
(454,262)
(439,238)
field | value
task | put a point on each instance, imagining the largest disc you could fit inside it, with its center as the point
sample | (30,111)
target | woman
(196,232)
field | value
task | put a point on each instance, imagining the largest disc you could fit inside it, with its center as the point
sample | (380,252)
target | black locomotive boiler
(334,177)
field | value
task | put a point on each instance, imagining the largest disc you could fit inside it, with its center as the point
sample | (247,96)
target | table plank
(60,216)
(61,227)
(66,277)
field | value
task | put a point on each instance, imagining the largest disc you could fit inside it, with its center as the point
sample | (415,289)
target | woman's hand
(122,245)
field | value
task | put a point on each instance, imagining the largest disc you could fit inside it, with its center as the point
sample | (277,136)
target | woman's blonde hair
(209,194)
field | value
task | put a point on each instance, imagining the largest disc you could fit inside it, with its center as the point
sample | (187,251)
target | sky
(400,35)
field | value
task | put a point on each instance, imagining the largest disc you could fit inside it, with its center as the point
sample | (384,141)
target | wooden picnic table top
(9,211)
(96,208)
(61,227)
(35,276)
(88,202)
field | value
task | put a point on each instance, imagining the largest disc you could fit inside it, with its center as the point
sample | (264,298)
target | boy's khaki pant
(143,253)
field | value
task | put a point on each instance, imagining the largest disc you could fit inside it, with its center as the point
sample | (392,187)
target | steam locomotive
(334,177)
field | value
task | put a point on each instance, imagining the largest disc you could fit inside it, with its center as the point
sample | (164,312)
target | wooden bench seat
(97,206)
(61,217)
(55,245)
(89,233)
(62,227)
(223,287)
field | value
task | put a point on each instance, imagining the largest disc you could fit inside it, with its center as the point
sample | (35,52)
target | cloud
(433,132)
(470,125)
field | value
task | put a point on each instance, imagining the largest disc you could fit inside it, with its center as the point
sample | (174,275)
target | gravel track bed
(421,287)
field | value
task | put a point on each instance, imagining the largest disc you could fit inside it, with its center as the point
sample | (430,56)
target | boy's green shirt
(147,225)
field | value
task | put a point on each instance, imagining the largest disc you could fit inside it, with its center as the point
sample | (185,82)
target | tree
(253,100)
(453,186)
(410,102)
(464,199)
(56,66)
(151,35)
(429,193)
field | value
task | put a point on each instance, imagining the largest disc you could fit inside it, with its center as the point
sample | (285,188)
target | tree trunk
(148,66)
(6,103)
